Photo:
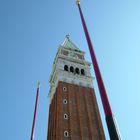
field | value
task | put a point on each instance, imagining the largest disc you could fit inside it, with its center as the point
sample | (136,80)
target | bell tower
(74,113)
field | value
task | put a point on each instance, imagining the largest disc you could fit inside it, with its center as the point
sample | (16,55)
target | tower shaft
(74,113)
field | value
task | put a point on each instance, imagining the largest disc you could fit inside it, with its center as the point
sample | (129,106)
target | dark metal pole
(35,111)
(112,128)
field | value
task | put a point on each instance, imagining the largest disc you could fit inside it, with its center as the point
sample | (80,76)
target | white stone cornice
(84,62)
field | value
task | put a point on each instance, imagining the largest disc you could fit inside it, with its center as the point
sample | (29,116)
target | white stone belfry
(70,66)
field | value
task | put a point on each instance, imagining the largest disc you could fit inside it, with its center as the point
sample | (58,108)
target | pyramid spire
(69,44)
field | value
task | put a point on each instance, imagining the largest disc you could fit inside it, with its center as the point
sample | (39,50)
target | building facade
(74,113)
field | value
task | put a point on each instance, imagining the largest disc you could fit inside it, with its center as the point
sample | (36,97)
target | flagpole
(110,120)
(35,112)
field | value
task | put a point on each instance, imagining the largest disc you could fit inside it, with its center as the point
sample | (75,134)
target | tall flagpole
(110,120)
(35,112)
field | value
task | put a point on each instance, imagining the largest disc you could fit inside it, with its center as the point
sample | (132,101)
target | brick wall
(82,120)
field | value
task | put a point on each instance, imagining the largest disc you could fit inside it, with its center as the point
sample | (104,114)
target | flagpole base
(112,128)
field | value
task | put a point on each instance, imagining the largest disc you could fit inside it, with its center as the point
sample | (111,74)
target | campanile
(73,113)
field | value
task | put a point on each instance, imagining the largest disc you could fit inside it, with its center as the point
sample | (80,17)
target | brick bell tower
(74,113)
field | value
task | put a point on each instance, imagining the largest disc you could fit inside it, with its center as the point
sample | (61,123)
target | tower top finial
(38,84)
(68,36)
(78,2)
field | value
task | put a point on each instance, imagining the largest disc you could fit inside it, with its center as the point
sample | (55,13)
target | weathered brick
(84,122)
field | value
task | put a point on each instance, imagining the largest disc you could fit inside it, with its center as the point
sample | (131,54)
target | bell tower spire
(74,112)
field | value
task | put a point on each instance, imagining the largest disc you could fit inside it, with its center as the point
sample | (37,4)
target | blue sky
(30,33)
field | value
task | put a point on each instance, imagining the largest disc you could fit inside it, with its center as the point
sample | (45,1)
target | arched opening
(66,134)
(66,67)
(64,89)
(65,116)
(65,101)
(77,70)
(71,69)
(82,72)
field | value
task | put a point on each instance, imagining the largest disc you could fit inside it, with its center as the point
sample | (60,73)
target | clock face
(77,56)
(64,52)
(72,54)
